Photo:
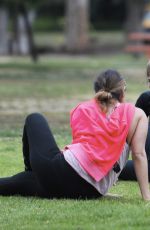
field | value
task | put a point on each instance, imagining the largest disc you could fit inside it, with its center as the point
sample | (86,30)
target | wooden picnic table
(139,42)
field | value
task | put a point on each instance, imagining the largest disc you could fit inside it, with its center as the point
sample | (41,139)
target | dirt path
(20,106)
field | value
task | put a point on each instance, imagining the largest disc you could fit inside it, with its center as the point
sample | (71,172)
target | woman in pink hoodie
(103,128)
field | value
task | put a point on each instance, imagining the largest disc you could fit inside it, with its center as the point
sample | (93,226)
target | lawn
(53,86)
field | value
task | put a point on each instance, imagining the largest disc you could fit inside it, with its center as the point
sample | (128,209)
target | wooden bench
(136,43)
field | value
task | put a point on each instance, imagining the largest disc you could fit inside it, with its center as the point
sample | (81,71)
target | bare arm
(138,152)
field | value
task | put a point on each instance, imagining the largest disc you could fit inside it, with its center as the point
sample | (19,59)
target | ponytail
(104,99)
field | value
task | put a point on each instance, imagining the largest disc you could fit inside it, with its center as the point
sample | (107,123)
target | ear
(122,97)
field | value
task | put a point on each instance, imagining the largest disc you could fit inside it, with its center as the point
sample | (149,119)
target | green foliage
(32,3)
(42,24)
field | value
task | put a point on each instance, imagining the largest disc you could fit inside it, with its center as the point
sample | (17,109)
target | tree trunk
(23,42)
(134,11)
(77,22)
(3,31)
(32,47)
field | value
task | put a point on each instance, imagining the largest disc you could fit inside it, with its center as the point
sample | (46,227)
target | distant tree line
(17,16)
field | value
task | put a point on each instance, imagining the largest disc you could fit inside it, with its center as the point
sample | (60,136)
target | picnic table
(138,42)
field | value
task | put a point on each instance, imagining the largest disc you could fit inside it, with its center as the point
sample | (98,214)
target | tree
(3,30)
(77,23)
(21,39)
(22,42)
(134,15)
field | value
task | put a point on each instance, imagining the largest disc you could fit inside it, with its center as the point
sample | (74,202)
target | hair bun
(103,96)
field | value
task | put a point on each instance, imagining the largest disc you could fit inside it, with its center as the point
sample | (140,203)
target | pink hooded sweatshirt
(98,140)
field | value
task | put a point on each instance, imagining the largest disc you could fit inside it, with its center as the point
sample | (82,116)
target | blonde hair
(109,85)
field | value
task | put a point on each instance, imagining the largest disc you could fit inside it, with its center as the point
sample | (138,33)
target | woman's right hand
(146,197)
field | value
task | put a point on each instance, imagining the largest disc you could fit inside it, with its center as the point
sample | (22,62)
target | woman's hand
(146,197)
(112,195)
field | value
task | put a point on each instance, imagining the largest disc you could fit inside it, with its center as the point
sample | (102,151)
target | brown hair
(109,85)
(148,73)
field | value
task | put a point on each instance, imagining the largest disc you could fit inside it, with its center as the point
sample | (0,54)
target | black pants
(46,174)
(128,172)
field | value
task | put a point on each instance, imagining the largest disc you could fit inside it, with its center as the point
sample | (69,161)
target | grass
(55,39)
(53,86)
(51,214)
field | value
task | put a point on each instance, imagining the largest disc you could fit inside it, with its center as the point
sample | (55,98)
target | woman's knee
(144,96)
(33,117)
(143,102)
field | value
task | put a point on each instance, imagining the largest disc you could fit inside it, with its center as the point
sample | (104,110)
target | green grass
(68,214)
(127,212)
(57,39)
(53,86)
(48,77)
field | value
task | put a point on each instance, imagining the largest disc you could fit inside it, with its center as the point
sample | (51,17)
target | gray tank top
(105,183)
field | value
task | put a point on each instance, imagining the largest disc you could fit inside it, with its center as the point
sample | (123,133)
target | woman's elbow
(137,154)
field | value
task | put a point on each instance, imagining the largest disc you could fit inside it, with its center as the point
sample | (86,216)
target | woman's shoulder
(139,113)
(85,104)
(82,107)
(127,106)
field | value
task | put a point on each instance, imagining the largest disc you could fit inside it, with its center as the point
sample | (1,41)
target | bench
(137,43)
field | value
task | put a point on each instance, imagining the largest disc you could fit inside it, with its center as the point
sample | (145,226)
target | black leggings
(46,174)
(128,172)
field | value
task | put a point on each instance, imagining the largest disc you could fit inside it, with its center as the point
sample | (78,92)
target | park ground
(53,86)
